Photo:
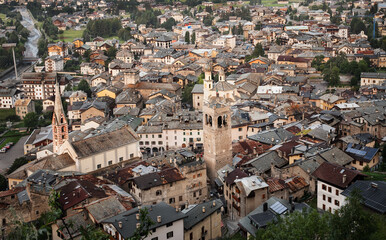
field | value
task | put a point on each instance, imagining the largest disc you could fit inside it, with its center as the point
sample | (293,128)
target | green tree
(305,225)
(317,63)
(112,52)
(366,168)
(357,25)
(124,34)
(201,78)
(13,118)
(16,164)
(31,120)
(143,230)
(208,20)
(187,37)
(85,87)
(3,183)
(351,221)
(187,94)
(331,75)
(193,40)
(86,55)
(38,106)
(257,51)
(90,232)
(168,25)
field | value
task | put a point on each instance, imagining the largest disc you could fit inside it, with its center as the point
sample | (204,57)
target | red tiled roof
(291,59)
(297,183)
(275,184)
(333,174)
(77,191)
(11,192)
(287,147)
(235,174)
(247,146)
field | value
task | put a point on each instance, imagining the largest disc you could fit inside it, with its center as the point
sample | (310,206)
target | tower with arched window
(217,135)
(208,82)
(59,122)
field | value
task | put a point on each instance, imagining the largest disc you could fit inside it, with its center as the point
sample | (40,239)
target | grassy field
(376,176)
(39,24)
(273,3)
(4,113)
(113,37)
(2,16)
(70,35)
(11,136)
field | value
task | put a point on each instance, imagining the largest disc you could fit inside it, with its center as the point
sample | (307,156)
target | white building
(125,55)
(332,181)
(8,97)
(168,223)
(225,41)
(54,63)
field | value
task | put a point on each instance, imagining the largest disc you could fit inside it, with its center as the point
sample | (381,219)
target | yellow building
(363,156)
(328,101)
(23,107)
(109,91)
(58,48)
(203,221)
(78,42)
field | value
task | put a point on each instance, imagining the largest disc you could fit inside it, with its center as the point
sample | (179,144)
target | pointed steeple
(59,122)
(58,108)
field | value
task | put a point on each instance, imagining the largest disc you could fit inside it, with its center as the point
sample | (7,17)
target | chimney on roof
(344,178)
(214,203)
(265,207)
(120,224)
(159,219)
(138,225)
(137,216)
(203,209)
(374,185)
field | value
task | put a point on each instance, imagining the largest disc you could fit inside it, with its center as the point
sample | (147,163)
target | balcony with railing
(235,206)
(237,199)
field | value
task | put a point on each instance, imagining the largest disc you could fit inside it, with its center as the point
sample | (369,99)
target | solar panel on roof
(278,208)
(357,152)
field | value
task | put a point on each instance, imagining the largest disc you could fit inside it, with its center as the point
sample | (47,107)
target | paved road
(6,159)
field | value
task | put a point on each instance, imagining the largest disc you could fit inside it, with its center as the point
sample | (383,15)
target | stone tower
(131,76)
(59,122)
(221,75)
(208,82)
(217,135)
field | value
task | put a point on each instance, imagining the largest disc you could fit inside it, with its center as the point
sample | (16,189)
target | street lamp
(11,45)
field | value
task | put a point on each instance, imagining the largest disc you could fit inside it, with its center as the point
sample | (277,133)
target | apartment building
(38,86)
(332,181)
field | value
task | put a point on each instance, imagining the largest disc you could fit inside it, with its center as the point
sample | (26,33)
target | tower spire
(59,122)
(58,107)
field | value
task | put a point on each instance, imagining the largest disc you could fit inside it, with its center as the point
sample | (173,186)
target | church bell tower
(59,122)
(217,136)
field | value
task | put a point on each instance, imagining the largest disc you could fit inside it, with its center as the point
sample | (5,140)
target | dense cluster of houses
(260,136)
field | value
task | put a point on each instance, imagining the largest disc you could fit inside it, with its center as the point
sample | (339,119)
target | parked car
(10,143)
(3,150)
(7,146)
